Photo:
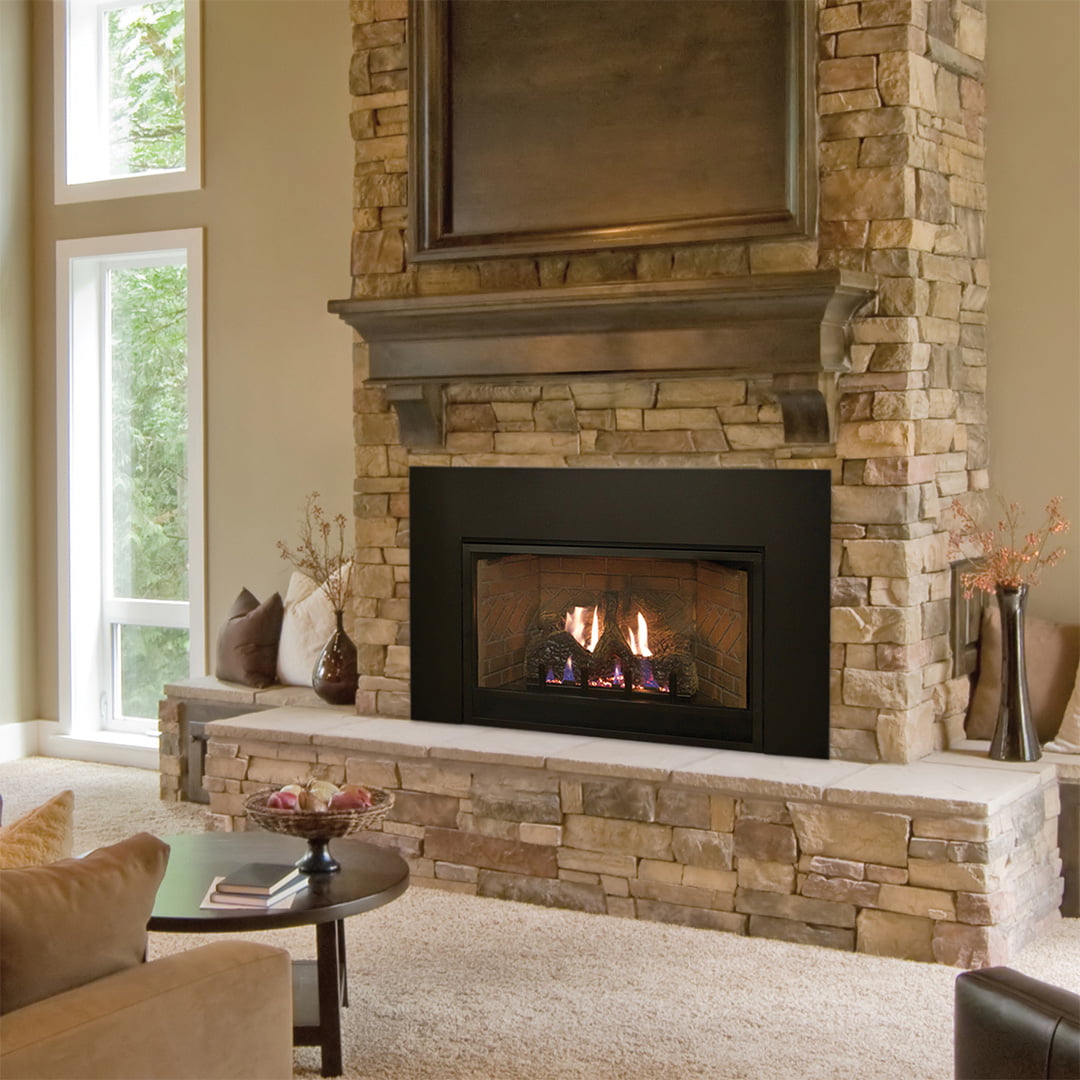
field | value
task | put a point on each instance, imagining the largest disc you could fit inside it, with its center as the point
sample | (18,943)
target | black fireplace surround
(527,585)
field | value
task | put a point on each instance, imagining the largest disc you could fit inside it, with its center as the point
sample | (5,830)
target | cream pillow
(1067,740)
(306,627)
(41,835)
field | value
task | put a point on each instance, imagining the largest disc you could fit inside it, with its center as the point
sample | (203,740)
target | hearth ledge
(946,783)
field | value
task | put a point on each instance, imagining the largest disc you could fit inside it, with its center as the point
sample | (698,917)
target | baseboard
(106,748)
(19,740)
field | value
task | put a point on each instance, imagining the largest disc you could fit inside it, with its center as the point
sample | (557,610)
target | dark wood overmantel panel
(571,125)
(791,328)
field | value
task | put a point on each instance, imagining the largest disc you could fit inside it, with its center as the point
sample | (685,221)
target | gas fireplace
(665,604)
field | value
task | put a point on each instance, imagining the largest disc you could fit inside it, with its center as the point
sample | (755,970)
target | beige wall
(276,207)
(16,371)
(1033,180)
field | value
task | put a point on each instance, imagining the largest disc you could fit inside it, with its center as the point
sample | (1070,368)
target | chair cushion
(41,835)
(1051,652)
(247,645)
(76,920)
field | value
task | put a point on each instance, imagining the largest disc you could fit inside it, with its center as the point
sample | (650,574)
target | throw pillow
(306,627)
(40,836)
(247,645)
(1067,740)
(1051,651)
(76,920)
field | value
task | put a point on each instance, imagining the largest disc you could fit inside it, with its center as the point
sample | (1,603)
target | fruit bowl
(317,827)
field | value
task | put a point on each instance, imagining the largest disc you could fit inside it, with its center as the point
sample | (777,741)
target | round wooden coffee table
(369,877)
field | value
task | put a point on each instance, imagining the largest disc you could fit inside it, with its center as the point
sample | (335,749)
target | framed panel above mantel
(548,126)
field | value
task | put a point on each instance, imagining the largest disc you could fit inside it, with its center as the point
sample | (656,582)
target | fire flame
(639,645)
(586,632)
(575,627)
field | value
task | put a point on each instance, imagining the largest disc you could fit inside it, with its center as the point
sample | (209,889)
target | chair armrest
(1009,1026)
(223,1010)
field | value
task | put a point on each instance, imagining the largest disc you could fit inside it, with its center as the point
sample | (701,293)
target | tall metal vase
(1015,737)
(335,674)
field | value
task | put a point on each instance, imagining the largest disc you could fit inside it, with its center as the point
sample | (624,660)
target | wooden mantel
(789,329)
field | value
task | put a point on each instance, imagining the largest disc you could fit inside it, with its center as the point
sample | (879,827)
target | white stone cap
(209,688)
(964,782)
(977,752)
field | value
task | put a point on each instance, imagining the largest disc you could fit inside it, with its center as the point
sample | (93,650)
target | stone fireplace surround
(901,204)
(896,846)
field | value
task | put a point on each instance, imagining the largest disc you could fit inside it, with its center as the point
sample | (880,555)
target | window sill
(104,747)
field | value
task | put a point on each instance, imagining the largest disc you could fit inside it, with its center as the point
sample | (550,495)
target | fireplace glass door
(650,642)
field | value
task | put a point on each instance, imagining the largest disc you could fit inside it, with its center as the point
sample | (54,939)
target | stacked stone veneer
(902,195)
(812,856)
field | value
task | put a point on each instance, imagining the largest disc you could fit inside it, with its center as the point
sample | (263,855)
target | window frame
(87,104)
(88,614)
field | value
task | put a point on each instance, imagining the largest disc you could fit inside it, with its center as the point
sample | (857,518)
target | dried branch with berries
(1005,557)
(323,553)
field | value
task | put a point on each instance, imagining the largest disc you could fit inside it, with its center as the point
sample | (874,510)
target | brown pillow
(1051,652)
(247,646)
(40,836)
(76,920)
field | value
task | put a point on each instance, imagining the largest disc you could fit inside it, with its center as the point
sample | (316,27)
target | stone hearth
(952,859)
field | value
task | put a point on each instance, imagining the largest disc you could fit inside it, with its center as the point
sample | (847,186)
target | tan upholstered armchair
(78,1001)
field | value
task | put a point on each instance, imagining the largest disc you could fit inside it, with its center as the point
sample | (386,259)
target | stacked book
(258,885)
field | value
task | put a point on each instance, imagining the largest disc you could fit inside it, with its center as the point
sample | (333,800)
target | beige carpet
(448,987)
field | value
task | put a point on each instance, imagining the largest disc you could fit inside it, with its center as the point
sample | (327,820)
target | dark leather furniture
(1009,1026)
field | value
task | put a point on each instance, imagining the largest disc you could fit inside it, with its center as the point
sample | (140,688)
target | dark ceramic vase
(335,675)
(1015,737)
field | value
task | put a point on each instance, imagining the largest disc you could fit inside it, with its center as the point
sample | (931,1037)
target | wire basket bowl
(317,824)
(317,827)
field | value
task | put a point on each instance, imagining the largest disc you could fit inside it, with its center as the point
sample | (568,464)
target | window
(127,98)
(131,484)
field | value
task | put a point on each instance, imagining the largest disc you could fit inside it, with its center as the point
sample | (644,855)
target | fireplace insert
(678,605)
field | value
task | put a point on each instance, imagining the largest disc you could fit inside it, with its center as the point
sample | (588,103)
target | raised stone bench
(186,709)
(952,859)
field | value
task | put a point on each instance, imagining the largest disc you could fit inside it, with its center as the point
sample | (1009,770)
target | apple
(352,797)
(283,800)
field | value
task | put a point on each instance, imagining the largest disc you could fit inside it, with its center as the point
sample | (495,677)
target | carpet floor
(451,987)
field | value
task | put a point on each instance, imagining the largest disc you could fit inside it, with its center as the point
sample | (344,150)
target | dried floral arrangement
(1002,559)
(323,553)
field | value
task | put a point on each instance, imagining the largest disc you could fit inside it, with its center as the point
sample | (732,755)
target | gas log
(619,641)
